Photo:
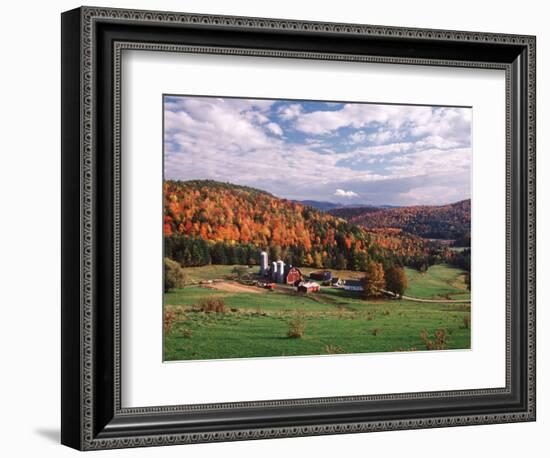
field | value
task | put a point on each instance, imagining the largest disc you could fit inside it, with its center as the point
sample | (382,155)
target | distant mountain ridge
(451,221)
(328,206)
(319,205)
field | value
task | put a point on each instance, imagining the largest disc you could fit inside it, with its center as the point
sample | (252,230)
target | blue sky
(349,153)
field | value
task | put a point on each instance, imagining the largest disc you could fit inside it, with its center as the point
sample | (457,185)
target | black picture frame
(92,416)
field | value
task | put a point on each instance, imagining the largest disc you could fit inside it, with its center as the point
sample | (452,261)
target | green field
(439,282)
(256,322)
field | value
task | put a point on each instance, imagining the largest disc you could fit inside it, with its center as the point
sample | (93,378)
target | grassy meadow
(255,322)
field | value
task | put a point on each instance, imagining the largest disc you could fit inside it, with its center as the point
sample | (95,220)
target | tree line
(231,218)
(195,252)
(207,222)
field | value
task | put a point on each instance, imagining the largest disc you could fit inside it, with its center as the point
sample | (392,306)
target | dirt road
(234,287)
(432,301)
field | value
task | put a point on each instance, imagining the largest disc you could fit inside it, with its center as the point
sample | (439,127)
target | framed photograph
(276,228)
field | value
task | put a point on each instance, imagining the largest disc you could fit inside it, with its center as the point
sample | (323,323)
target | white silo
(280,271)
(274,271)
(263,263)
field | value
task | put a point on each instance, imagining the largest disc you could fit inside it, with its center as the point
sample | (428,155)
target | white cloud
(361,115)
(256,117)
(383,136)
(231,140)
(290,111)
(451,124)
(274,128)
(436,194)
(357,137)
(342,193)
(444,127)
(383,149)
(436,141)
(209,122)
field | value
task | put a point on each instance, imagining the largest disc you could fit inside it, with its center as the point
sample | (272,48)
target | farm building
(293,275)
(353,285)
(309,287)
(263,263)
(279,271)
(321,275)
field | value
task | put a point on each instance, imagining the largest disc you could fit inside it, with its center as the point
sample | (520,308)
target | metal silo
(280,272)
(274,271)
(263,263)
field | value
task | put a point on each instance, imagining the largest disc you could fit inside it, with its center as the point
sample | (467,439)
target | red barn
(293,276)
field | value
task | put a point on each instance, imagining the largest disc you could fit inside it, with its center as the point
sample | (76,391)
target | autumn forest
(208,222)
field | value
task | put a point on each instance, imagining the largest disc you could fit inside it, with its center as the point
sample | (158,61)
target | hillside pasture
(256,322)
(441,281)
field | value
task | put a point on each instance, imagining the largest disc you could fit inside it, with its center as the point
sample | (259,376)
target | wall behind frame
(30,240)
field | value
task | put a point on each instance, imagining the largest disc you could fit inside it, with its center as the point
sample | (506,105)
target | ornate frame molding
(88,435)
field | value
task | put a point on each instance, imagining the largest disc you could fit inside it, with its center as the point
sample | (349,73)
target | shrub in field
(297,326)
(174,275)
(386,312)
(333,350)
(169,318)
(439,342)
(375,332)
(441,339)
(186,333)
(212,304)
(424,336)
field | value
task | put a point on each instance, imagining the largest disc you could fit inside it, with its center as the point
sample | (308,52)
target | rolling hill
(208,221)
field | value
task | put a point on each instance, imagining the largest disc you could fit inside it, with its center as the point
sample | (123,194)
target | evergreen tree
(340,262)
(196,255)
(361,261)
(231,255)
(217,253)
(351,259)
